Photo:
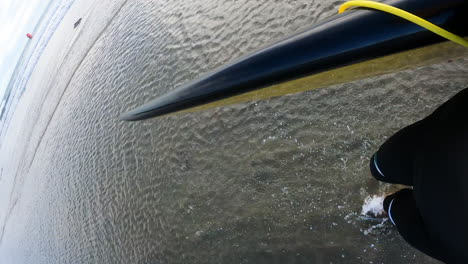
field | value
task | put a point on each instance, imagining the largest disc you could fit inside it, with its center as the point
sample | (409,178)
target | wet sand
(281,180)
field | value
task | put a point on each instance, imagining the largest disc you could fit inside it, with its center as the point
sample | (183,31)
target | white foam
(373,206)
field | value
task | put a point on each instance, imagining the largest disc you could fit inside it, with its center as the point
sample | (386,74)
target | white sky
(17,17)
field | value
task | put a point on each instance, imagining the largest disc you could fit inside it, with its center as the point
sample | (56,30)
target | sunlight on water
(275,181)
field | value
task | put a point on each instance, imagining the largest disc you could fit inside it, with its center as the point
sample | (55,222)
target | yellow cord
(408,16)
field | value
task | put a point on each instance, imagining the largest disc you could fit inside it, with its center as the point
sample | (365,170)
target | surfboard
(354,45)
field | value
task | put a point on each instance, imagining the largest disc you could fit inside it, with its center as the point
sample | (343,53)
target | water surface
(274,181)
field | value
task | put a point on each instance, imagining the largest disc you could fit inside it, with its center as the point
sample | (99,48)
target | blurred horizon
(20,17)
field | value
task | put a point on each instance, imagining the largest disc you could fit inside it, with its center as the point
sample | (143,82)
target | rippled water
(45,28)
(274,181)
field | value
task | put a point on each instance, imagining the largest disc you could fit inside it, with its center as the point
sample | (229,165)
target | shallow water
(275,181)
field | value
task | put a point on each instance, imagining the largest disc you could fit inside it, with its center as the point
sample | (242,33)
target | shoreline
(30,126)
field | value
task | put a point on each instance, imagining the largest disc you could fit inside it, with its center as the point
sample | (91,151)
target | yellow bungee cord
(405,15)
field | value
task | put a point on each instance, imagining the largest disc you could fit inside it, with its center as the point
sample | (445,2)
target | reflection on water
(274,181)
